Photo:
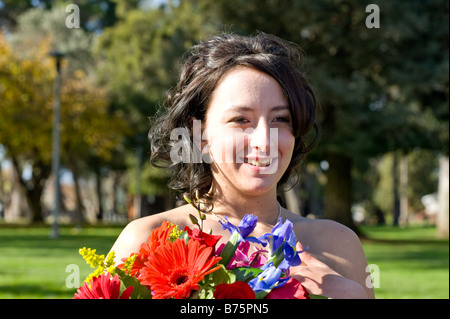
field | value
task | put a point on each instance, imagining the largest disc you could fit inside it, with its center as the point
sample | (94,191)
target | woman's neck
(265,206)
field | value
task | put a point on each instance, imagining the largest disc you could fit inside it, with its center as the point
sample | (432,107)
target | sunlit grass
(34,266)
(412,262)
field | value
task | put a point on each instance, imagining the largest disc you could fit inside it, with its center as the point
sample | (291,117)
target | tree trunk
(403,191)
(34,202)
(79,207)
(114,191)
(33,189)
(338,190)
(98,190)
(15,207)
(443,196)
(395,187)
(292,201)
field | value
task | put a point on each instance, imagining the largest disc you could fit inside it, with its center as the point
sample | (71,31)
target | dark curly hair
(205,64)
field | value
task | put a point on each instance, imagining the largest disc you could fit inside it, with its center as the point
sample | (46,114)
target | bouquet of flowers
(186,263)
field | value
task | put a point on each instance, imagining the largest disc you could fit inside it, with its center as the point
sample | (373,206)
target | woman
(242,108)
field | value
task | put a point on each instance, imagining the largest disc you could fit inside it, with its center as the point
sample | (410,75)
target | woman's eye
(284,119)
(241,120)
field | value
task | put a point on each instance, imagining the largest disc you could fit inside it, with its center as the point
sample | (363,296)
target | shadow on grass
(33,266)
(28,291)
(410,241)
(70,239)
(415,248)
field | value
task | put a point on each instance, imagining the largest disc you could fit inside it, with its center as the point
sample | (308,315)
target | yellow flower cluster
(91,258)
(176,232)
(129,263)
(99,261)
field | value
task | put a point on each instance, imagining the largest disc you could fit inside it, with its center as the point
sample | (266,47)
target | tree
(96,14)
(141,54)
(26,95)
(140,58)
(443,194)
(381,89)
(25,90)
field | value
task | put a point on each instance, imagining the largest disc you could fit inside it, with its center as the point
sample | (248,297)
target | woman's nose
(262,137)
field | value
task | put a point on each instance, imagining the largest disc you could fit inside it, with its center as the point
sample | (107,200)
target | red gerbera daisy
(103,287)
(175,269)
(158,237)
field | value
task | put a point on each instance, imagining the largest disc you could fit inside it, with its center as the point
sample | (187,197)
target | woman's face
(248,131)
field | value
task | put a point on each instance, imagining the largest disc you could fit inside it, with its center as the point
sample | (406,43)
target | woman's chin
(257,187)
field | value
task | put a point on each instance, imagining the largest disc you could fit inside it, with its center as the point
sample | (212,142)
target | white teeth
(259,164)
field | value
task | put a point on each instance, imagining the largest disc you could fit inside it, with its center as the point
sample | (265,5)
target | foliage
(37,25)
(26,93)
(96,14)
(153,180)
(389,84)
(422,179)
(380,89)
(140,61)
(141,55)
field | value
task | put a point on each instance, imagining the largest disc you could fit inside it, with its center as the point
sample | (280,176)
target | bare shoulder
(138,231)
(324,235)
(332,234)
(335,245)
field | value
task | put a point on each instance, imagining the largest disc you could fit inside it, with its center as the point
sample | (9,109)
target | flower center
(181,280)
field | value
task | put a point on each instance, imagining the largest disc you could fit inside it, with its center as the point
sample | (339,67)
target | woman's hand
(320,279)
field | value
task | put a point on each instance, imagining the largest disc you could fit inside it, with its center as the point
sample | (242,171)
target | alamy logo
(73,19)
(234,145)
(373,19)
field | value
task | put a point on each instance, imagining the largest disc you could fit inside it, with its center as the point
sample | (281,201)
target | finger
(304,255)
(299,246)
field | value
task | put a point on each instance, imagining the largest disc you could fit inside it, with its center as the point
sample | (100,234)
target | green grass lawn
(412,263)
(34,266)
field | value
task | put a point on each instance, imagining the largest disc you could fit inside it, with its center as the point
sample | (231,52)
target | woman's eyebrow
(239,108)
(279,108)
(244,108)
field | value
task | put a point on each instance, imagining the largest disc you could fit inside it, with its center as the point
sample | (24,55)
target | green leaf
(184,235)
(193,219)
(220,276)
(262,293)
(139,291)
(229,249)
(318,297)
(246,273)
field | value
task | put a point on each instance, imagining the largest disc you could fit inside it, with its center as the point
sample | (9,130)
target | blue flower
(244,229)
(239,234)
(291,255)
(267,280)
(282,242)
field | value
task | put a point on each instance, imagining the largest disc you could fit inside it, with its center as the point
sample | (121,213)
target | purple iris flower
(267,280)
(244,229)
(282,242)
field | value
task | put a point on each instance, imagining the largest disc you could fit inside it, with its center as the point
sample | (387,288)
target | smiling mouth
(258,163)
